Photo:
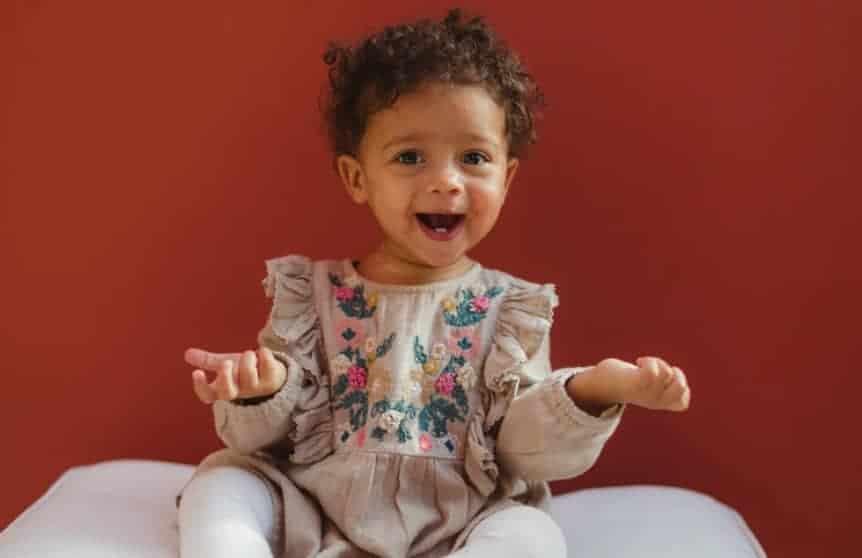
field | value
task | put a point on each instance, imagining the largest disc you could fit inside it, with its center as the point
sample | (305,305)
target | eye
(476,158)
(410,157)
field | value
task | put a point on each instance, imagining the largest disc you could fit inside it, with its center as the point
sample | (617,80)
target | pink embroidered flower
(357,376)
(425,443)
(445,384)
(360,438)
(480,303)
(343,293)
(351,333)
(463,341)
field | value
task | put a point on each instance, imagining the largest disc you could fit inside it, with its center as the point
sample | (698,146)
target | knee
(526,531)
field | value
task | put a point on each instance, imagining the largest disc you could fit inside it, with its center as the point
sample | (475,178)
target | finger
(650,365)
(267,367)
(666,373)
(680,375)
(247,379)
(202,388)
(225,383)
(206,360)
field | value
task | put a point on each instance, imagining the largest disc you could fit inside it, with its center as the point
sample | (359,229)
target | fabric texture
(410,412)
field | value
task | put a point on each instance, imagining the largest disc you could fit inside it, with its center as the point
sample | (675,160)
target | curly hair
(370,76)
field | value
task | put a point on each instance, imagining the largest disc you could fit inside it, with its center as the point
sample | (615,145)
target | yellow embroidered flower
(438,352)
(449,304)
(431,366)
(379,382)
(421,387)
(370,345)
(372,300)
(351,280)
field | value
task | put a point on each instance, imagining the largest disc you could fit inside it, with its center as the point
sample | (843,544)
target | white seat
(125,509)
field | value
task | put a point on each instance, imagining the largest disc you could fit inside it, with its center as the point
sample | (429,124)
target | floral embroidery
(393,417)
(469,306)
(435,391)
(446,400)
(379,382)
(464,341)
(357,376)
(350,387)
(350,295)
(466,377)
(445,384)
(351,333)
(390,420)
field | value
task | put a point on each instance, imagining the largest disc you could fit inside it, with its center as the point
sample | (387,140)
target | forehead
(440,111)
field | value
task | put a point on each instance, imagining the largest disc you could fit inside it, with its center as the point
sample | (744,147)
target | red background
(692,196)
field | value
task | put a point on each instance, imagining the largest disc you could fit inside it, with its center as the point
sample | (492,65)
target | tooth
(440,229)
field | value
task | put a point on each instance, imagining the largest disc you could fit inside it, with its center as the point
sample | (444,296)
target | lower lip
(441,236)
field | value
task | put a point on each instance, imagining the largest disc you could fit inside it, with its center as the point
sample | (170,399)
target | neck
(382,267)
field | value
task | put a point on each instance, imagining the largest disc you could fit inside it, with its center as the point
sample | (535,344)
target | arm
(545,435)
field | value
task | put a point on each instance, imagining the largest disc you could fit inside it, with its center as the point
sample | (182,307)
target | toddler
(403,404)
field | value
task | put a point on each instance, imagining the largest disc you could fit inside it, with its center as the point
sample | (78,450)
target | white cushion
(125,509)
(651,522)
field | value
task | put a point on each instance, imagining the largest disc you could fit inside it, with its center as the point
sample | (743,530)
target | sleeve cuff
(565,409)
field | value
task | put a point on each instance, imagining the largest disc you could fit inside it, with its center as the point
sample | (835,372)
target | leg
(226,512)
(519,531)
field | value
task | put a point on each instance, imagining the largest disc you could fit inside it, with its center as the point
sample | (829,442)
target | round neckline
(349,266)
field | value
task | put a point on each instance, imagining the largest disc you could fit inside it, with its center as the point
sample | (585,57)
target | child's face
(434,169)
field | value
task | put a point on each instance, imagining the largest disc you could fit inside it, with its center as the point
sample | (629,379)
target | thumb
(206,360)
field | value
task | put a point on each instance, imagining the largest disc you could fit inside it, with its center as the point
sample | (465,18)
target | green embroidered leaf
(384,347)
(335,280)
(461,399)
(348,334)
(353,398)
(340,385)
(493,291)
(378,433)
(361,362)
(344,436)
(435,415)
(419,352)
(464,315)
(357,307)
(403,433)
(464,344)
(358,417)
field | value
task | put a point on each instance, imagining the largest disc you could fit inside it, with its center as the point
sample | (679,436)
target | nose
(448,180)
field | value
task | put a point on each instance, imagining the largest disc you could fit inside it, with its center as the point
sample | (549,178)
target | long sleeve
(542,434)
(294,422)
(545,436)
(250,426)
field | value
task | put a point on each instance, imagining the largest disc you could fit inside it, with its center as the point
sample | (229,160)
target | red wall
(693,196)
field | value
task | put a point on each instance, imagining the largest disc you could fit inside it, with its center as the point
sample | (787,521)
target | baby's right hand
(237,375)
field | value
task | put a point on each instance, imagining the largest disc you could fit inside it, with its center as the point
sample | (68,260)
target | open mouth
(440,222)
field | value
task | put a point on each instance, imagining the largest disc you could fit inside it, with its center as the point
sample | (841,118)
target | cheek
(486,200)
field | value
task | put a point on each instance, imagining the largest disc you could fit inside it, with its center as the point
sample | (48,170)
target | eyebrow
(407,138)
(416,137)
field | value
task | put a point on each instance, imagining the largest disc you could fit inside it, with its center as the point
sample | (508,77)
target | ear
(511,170)
(350,171)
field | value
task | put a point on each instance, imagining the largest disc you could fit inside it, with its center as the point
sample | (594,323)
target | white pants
(227,512)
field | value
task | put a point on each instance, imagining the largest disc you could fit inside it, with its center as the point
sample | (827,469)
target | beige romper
(410,412)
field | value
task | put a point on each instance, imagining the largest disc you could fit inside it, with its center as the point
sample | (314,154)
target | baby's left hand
(653,383)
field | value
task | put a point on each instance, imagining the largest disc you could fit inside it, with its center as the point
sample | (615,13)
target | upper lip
(442,212)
